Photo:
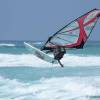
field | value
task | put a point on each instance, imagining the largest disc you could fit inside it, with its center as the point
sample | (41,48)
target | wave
(31,60)
(7,44)
(64,88)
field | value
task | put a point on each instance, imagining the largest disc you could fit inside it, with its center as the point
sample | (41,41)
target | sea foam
(30,60)
(63,88)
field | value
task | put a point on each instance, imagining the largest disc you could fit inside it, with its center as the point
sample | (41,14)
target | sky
(36,20)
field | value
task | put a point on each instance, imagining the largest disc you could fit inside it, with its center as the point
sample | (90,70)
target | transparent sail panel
(91,15)
(89,27)
(66,38)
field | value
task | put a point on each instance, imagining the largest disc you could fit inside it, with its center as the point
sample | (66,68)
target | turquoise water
(25,77)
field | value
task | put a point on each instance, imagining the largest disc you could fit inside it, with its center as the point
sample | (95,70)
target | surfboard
(40,54)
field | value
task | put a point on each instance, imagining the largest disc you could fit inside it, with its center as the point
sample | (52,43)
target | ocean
(25,77)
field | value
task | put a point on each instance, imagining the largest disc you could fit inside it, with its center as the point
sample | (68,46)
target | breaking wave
(30,60)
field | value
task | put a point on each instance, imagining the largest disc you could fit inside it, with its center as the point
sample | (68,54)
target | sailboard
(74,34)
(40,54)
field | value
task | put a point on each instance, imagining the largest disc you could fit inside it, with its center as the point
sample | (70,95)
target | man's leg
(60,63)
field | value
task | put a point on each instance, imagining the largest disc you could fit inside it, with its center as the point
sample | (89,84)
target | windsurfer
(59,53)
(73,35)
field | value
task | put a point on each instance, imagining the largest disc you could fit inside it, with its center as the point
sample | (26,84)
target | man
(59,53)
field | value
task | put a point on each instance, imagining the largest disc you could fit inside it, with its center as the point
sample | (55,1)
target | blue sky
(38,19)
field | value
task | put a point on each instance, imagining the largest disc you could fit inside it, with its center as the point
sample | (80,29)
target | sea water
(26,77)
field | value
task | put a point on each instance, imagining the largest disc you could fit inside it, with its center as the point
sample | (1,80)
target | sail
(74,34)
